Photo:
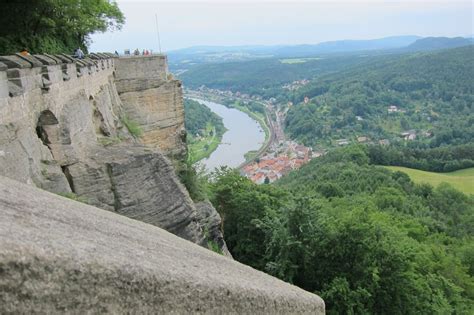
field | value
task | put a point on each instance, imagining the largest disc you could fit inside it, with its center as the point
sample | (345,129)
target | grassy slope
(462,180)
(197,148)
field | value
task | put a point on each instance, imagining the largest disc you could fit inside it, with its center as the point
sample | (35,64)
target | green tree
(55,26)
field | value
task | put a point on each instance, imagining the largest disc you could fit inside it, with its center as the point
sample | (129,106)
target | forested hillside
(430,93)
(198,117)
(367,240)
(263,77)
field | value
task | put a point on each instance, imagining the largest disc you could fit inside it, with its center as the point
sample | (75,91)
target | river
(243,134)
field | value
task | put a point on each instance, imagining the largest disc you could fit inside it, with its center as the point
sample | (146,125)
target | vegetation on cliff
(366,239)
(55,26)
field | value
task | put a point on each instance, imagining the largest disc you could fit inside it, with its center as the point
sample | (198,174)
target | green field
(462,180)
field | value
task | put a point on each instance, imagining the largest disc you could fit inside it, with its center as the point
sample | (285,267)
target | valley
(250,157)
(325,204)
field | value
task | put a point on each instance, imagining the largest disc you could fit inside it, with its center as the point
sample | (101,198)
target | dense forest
(198,116)
(263,77)
(431,93)
(55,26)
(366,239)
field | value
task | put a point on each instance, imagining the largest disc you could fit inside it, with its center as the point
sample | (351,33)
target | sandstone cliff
(63,129)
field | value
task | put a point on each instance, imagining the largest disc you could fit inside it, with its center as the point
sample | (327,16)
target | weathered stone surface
(211,223)
(139,183)
(139,67)
(14,62)
(154,102)
(61,256)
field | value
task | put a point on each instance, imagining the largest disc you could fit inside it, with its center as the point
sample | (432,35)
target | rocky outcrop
(63,129)
(154,100)
(211,223)
(61,256)
(139,183)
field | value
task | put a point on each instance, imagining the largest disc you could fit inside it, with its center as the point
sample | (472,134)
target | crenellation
(14,62)
(30,59)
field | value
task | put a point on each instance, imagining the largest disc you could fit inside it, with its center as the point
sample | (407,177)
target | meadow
(462,180)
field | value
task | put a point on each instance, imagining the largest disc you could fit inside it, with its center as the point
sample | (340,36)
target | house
(342,142)
(384,142)
(392,109)
(408,135)
(362,139)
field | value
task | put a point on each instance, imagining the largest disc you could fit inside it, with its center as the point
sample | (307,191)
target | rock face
(61,256)
(63,129)
(211,222)
(153,101)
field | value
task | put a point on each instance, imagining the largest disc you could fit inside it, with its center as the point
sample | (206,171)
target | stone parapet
(26,73)
(154,100)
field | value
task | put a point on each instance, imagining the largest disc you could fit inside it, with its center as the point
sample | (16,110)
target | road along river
(243,134)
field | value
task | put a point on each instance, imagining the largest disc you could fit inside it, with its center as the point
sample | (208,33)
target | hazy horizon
(184,24)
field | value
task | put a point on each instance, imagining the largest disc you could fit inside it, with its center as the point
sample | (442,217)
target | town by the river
(275,157)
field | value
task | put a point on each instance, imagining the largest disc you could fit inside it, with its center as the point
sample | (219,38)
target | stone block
(31,59)
(15,62)
(46,60)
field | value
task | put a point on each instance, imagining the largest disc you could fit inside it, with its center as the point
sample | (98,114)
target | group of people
(79,54)
(136,52)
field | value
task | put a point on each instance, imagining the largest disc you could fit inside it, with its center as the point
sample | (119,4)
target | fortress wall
(32,85)
(154,100)
(62,129)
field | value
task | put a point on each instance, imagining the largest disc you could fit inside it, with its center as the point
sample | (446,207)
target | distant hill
(185,58)
(347,46)
(435,43)
(209,54)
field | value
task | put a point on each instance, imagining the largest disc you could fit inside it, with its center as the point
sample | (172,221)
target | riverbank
(262,120)
(244,134)
(202,148)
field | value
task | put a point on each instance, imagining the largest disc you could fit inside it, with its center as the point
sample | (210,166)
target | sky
(189,23)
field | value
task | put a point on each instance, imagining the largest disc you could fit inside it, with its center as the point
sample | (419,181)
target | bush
(132,126)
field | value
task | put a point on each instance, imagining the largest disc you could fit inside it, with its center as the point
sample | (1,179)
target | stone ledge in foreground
(57,255)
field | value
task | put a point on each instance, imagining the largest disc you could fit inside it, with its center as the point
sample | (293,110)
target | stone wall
(62,129)
(154,100)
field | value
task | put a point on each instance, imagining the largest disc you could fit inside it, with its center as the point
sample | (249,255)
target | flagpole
(158,32)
